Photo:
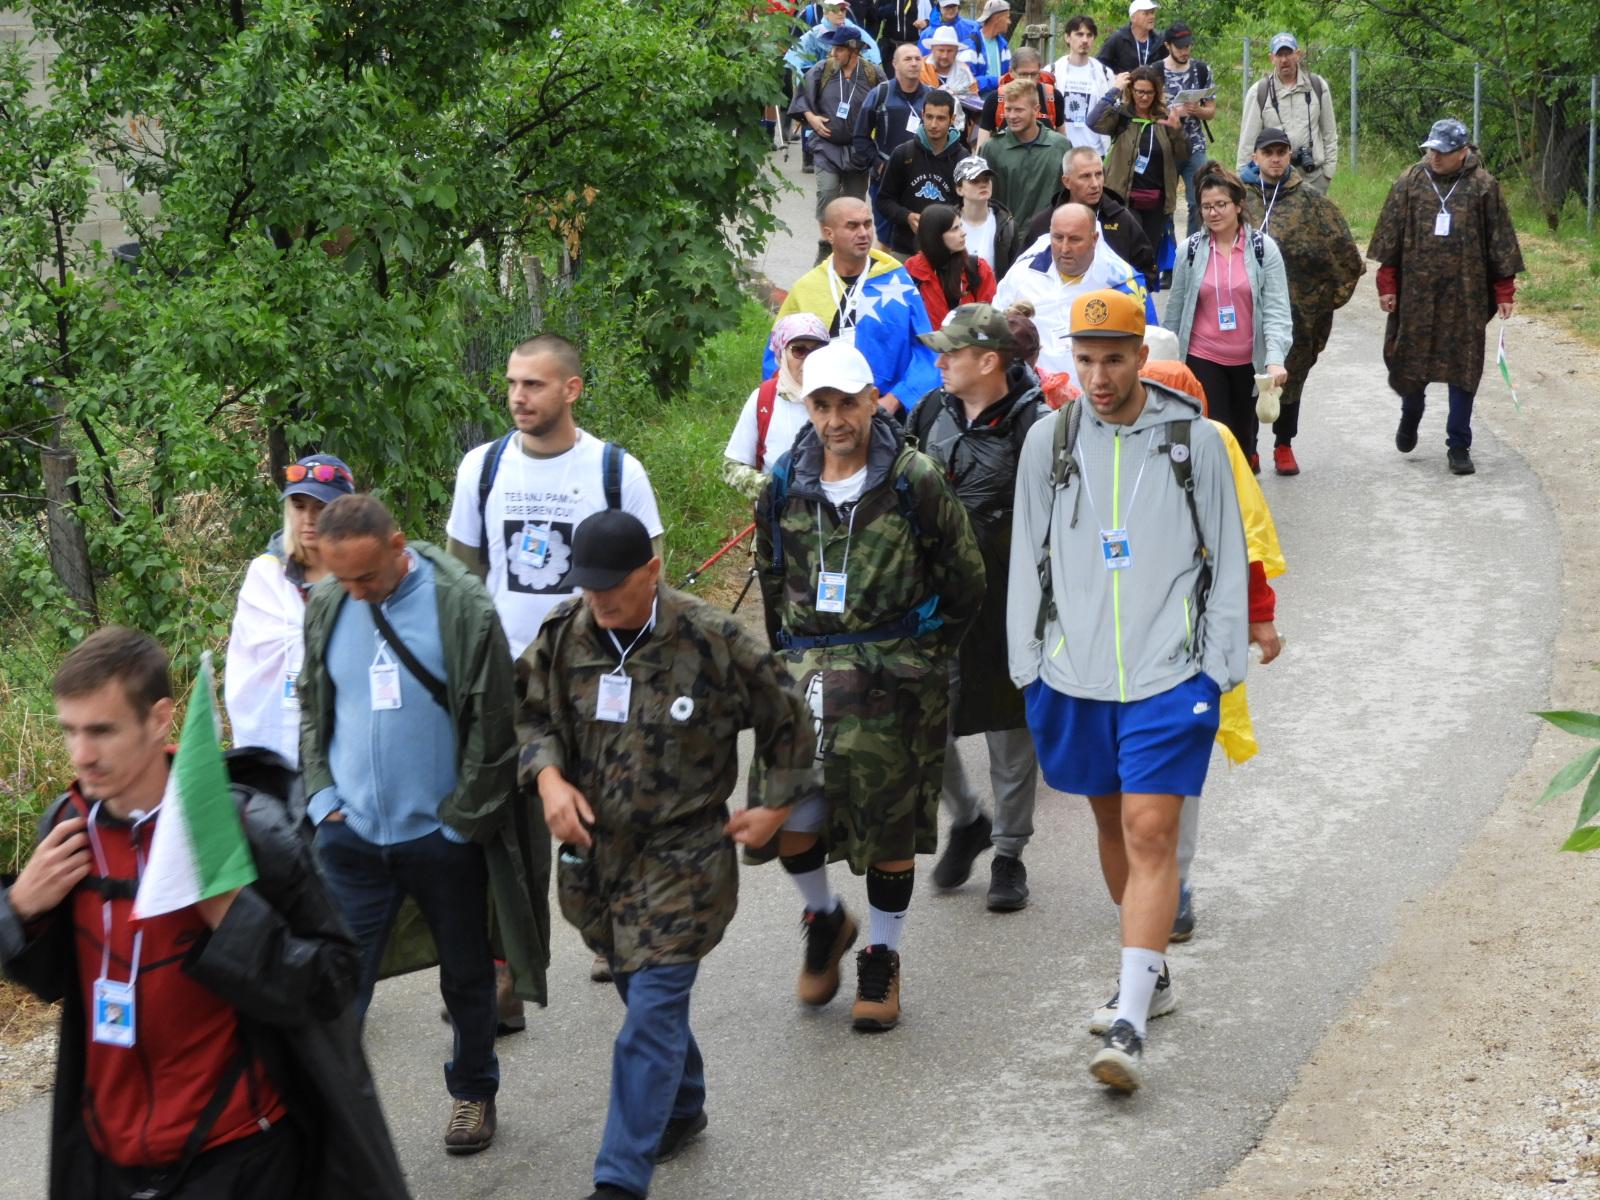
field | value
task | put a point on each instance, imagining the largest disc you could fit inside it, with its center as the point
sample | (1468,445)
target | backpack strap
(1194,245)
(611,459)
(766,403)
(1063,467)
(491,466)
(777,497)
(1182,460)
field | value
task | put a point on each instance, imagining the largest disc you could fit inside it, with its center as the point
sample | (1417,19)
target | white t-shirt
(844,491)
(788,419)
(980,237)
(1081,89)
(529,491)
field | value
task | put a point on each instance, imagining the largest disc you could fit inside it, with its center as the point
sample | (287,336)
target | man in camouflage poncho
(631,705)
(1448,260)
(1320,258)
(870,575)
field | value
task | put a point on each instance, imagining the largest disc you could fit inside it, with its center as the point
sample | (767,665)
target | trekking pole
(729,545)
(744,591)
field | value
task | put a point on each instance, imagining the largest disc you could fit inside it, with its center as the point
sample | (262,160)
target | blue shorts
(1158,746)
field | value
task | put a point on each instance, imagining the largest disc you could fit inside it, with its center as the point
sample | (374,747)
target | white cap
(1142,6)
(945,35)
(1163,344)
(837,365)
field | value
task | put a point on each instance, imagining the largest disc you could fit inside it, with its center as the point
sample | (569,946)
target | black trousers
(265,1166)
(1230,398)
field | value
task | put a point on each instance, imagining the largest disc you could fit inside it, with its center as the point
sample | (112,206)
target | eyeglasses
(801,349)
(1217,207)
(321,472)
(1144,91)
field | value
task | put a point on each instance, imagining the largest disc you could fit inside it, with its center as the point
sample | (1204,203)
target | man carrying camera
(1299,103)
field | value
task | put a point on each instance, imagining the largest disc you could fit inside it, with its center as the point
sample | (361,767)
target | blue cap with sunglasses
(320,476)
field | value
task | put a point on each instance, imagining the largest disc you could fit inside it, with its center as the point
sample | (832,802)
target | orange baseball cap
(1107,314)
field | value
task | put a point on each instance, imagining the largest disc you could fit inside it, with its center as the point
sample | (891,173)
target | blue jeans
(1190,168)
(656,1073)
(450,884)
(1457,426)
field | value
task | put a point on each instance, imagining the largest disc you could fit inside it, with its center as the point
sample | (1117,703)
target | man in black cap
(630,705)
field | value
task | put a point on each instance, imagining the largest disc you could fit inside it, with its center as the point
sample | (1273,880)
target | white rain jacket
(264,653)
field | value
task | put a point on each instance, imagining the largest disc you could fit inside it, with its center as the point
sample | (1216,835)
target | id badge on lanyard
(383,681)
(113,1002)
(832,586)
(1116,549)
(616,691)
(1227,318)
(114,1013)
(1441,223)
(1141,164)
(290,696)
(534,545)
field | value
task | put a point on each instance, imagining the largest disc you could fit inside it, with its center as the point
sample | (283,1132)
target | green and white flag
(1505,367)
(198,850)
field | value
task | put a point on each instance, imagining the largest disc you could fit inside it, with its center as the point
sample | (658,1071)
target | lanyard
(844,298)
(1116,512)
(1266,204)
(1444,200)
(105,905)
(566,476)
(382,658)
(1150,128)
(1142,49)
(849,532)
(622,655)
(1217,274)
(843,98)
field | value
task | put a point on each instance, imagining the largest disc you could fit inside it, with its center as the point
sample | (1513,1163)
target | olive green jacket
(486,806)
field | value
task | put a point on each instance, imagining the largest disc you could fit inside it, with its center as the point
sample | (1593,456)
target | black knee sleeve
(890,891)
(806,860)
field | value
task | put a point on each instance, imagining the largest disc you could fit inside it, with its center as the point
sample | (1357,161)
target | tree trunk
(69,547)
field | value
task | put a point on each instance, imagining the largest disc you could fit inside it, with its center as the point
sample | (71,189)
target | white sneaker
(1163,1002)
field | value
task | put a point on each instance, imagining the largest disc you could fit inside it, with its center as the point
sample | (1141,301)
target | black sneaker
(966,842)
(1461,462)
(828,936)
(610,1191)
(1405,437)
(1116,1063)
(679,1133)
(1008,884)
(1183,923)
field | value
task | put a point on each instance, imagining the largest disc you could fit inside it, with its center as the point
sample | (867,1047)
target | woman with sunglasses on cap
(774,414)
(946,275)
(1230,306)
(266,645)
(1148,148)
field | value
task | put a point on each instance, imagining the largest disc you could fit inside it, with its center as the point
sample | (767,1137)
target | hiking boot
(1116,1063)
(1183,923)
(1283,460)
(610,1191)
(1255,464)
(966,842)
(828,936)
(1008,884)
(1164,1001)
(600,969)
(1461,462)
(509,1016)
(679,1133)
(877,1007)
(471,1126)
(1405,437)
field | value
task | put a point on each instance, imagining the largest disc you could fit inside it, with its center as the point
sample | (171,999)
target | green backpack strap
(1063,467)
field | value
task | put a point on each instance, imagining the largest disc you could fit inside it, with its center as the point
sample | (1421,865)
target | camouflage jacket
(660,884)
(1435,334)
(1320,257)
(883,704)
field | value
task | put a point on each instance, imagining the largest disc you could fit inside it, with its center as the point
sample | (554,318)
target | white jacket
(1033,277)
(264,653)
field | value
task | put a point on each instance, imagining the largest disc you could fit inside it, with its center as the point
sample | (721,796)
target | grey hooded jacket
(1133,633)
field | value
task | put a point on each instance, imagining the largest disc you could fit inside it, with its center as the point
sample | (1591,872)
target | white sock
(814,890)
(1137,986)
(883,928)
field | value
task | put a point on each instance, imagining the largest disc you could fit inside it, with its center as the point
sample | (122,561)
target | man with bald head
(1083,180)
(866,299)
(1051,275)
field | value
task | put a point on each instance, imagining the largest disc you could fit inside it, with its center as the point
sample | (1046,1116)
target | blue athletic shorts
(1158,746)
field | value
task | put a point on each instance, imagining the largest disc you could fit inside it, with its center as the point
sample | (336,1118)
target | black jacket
(1120,51)
(914,178)
(1119,226)
(980,463)
(284,959)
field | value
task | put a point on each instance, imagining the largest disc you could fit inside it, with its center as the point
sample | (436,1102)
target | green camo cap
(971,325)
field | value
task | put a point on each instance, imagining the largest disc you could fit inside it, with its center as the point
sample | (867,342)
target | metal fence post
(1355,94)
(1477,101)
(1247,67)
(1594,119)
(1052,59)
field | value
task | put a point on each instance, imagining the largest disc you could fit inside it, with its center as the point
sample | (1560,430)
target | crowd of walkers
(992,494)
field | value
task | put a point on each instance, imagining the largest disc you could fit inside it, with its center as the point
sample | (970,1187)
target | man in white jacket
(1126,621)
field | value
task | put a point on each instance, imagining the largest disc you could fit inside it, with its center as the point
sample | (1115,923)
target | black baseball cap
(607,547)
(1272,136)
(1178,34)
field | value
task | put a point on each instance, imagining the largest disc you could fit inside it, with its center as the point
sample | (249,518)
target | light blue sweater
(391,768)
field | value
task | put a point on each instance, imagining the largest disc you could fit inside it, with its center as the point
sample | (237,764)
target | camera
(1304,160)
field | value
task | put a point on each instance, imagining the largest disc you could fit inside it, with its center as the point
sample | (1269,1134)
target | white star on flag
(895,290)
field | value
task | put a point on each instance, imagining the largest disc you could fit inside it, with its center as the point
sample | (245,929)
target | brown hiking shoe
(828,936)
(509,1015)
(877,990)
(471,1126)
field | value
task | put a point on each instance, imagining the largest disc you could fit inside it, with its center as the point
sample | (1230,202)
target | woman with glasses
(1230,306)
(774,414)
(1148,146)
(265,648)
(945,274)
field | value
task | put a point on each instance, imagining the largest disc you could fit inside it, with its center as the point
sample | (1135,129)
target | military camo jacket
(660,884)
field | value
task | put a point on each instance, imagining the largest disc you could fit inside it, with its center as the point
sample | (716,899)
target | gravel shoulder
(1469,1065)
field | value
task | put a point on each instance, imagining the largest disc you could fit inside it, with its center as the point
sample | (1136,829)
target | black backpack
(610,476)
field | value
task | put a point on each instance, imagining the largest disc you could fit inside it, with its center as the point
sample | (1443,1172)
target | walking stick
(729,545)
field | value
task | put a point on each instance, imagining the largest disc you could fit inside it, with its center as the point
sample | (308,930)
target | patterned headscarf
(795,325)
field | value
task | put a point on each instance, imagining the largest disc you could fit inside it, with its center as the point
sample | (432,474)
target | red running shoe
(1283,460)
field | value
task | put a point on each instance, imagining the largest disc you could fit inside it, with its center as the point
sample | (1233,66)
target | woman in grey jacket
(1230,306)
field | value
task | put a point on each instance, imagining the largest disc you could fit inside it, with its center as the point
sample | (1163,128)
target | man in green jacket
(1026,156)
(409,756)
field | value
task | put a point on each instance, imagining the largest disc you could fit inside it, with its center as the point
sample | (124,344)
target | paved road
(1419,618)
